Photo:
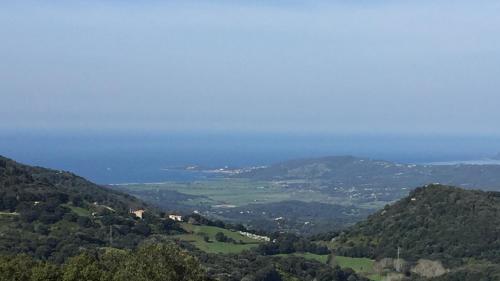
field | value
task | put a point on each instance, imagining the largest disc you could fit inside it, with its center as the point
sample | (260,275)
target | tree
(9,203)
(163,262)
(142,229)
(16,268)
(46,272)
(268,274)
(219,236)
(206,238)
(84,221)
(82,267)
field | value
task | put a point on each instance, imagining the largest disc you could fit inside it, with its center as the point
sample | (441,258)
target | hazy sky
(335,66)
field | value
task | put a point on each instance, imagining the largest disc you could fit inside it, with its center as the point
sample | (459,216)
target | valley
(307,196)
(261,205)
(231,228)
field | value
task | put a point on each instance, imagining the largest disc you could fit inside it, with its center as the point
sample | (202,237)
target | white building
(138,213)
(175,217)
(254,236)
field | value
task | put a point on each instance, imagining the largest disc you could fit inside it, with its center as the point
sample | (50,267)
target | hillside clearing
(197,233)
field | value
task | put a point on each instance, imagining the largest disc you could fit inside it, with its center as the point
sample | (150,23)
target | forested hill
(435,222)
(349,171)
(22,184)
(53,215)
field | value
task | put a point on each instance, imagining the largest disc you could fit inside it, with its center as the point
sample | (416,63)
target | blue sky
(349,67)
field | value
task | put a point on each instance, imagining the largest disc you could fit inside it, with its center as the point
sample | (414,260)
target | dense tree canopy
(435,222)
(52,215)
(161,262)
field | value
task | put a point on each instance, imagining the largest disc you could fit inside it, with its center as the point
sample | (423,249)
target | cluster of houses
(140,214)
(255,236)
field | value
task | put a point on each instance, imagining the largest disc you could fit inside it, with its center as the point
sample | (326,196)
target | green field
(357,264)
(238,201)
(308,256)
(77,210)
(375,277)
(237,192)
(362,266)
(196,233)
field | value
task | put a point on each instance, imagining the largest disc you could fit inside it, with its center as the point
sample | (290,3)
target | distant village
(223,170)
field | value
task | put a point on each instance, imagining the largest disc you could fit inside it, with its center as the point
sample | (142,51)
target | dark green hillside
(52,214)
(434,222)
(22,183)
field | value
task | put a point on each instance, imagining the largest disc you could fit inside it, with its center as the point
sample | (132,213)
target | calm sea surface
(132,158)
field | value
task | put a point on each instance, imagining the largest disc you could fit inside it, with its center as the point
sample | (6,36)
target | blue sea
(113,158)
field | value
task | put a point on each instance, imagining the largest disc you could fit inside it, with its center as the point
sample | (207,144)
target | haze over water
(142,157)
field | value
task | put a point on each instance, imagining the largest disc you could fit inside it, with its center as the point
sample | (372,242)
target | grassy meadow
(237,192)
(196,235)
(308,256)
(362,266)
